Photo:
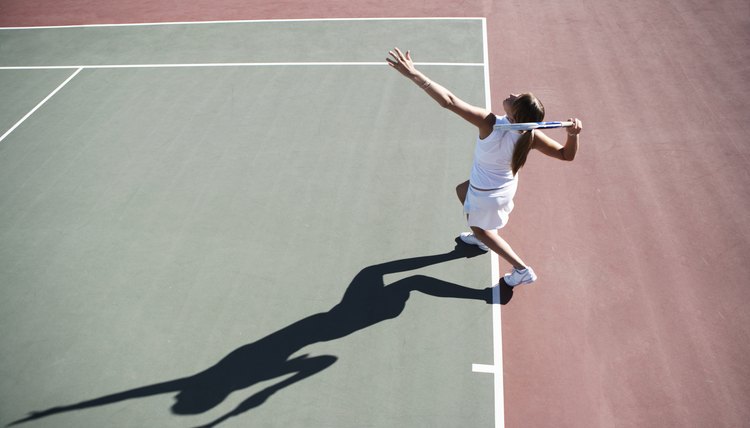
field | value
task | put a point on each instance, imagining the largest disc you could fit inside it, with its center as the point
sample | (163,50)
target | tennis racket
(532,125)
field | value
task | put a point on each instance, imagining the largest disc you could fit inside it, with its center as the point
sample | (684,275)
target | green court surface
(229,230)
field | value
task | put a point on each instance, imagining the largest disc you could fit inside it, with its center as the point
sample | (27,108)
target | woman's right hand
(402,62)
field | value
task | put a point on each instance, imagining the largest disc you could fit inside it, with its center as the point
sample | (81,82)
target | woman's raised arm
(480,117)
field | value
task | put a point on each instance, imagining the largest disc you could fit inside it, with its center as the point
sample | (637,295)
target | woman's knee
(461,190)
(478,232)
(484,235)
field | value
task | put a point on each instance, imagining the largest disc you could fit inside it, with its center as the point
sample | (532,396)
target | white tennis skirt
(489,209)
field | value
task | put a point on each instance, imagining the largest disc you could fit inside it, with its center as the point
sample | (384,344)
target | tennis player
(487,196)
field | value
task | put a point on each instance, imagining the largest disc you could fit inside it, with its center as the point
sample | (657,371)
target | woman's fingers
(399,60)
(577,126)
(400,56)
(396,61)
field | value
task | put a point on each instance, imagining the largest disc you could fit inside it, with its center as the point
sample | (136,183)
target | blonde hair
(525,108)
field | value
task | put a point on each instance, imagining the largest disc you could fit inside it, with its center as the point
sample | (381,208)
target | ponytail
(526,108)
(521,151)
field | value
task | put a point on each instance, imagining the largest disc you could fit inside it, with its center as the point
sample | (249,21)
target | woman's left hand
(576,128)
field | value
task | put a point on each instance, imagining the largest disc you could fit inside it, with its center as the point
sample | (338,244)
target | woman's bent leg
(499,246)
(461,191)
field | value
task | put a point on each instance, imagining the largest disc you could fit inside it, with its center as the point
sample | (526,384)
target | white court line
(482,368)
(40,104)
(236,64)
(497,329)
(140,24)
(497,326)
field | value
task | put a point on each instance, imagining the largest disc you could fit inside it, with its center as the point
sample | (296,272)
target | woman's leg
(461,191)
(499,246)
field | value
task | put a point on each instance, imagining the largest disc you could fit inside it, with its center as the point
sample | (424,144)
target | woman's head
(522,108)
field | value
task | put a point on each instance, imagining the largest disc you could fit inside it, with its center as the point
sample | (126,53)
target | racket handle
(567,124)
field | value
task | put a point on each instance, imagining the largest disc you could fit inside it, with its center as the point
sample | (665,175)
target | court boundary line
(245,21)
(497,328)
(497,325)
(41,103)
(236,64)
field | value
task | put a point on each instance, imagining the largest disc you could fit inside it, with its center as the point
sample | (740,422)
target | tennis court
(219,229)
(241,216)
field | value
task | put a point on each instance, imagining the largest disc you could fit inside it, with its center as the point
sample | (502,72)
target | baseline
(246,21)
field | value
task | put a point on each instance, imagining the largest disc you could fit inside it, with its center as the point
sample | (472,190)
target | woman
(488,194)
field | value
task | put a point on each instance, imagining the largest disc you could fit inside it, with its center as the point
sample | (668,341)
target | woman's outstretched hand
(402,62)
(477,116)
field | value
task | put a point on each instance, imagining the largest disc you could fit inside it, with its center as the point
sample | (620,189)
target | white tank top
(492,159)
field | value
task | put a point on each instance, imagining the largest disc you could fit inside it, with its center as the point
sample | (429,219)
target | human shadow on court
(367,301)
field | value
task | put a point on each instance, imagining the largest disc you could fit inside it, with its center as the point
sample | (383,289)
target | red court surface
(639,317)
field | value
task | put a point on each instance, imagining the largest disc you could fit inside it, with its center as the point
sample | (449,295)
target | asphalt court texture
(209,245)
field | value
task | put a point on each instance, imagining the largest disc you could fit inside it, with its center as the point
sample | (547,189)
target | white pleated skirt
(490,209)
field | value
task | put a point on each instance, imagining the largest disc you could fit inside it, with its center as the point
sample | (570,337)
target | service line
(235,64)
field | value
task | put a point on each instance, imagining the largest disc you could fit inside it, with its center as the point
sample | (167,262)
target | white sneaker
(470,239)
(519,277)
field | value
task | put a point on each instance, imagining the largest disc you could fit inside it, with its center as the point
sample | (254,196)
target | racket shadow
(367,301)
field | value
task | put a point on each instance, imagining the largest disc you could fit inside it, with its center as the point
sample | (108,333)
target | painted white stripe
(237,64)
(497,341)
(497,327)
(496,369)
(482,368)
(40,104)
(138,24)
